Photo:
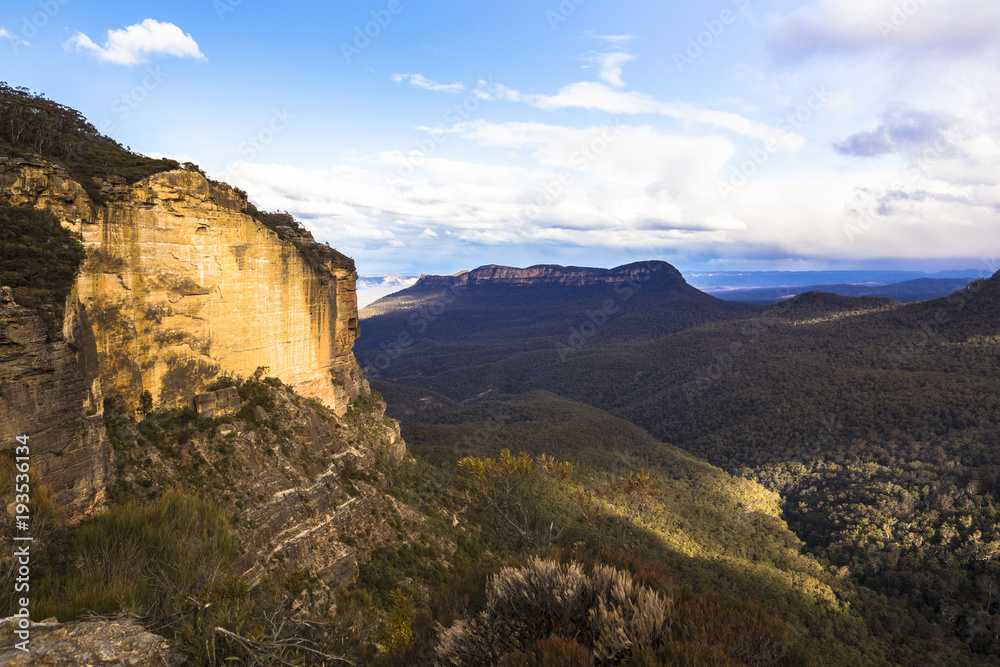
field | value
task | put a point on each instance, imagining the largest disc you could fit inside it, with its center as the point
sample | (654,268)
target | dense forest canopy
(875,421)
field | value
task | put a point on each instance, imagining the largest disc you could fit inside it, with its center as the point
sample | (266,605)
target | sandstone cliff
(54,396)
(182,285)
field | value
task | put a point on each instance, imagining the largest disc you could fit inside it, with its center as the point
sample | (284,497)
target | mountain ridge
(579,276)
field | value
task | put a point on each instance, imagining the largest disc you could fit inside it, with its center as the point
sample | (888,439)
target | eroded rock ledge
(96,643)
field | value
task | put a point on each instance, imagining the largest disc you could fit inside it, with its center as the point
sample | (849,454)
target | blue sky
(730,134)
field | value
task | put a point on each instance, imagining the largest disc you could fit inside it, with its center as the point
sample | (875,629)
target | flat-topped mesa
(551,274)
(185,281)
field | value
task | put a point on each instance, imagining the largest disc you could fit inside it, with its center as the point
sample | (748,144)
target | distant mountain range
(907,291)
(717,281)
(754,287)
(542,308)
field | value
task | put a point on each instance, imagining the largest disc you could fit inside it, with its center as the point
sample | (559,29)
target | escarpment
(182,285)
(183,282)
(51,393)
(551,274)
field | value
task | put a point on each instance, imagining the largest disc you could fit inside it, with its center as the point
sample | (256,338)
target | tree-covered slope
(32,126)
(876,422)
(466,325)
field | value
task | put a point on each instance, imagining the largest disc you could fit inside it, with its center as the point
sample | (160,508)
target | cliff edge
(182,284)
(183,281)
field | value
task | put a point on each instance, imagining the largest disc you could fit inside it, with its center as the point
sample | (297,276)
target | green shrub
(395,634)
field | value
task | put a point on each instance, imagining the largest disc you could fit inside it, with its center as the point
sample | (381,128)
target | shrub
(395,635)
(38,260)
(146,403)
(554,651)
(742,629)
(605,612)
(140,558)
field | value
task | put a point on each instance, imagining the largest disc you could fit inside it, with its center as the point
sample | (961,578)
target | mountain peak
(553,274)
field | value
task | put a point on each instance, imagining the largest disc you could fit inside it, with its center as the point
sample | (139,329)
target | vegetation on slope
(172,549)
(713,532)
(32,125)
(877,423)
(38,260)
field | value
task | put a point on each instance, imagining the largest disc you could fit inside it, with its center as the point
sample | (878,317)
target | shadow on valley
(875,423)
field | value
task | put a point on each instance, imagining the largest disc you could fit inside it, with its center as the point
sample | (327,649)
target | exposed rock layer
(52,395)
(92,643)
(181,285)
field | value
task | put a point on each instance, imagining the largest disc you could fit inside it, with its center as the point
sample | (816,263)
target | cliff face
(52,394)
(550,274)
(180,286)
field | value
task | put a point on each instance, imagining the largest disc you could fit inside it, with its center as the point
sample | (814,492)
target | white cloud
(616,40)
(491,92)
(610,65)
(598,97)
(594,187)
(13,38)
(855,26)
(134,44)
(420,81)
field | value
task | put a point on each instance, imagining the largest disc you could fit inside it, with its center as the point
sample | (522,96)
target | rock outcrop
(52,394)
(183,282)
(297,478)
(96,643)
(181,285)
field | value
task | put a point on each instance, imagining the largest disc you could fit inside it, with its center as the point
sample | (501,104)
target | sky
(420,136)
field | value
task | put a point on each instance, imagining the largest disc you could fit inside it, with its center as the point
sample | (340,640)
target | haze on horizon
(429,138)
